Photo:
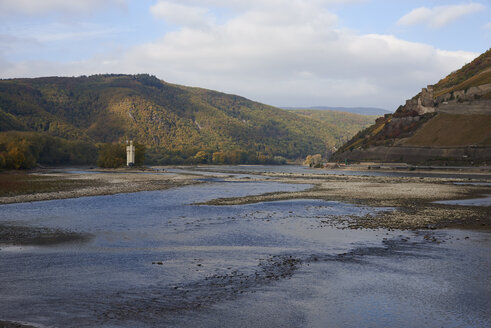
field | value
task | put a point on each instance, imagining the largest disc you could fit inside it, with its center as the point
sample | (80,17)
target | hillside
(174,122)
(448,122)
(342,124)
(370,111)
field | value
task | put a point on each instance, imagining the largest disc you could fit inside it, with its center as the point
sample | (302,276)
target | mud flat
(412,197)
(10,324)
(19,235)
(63,184)
(275,257)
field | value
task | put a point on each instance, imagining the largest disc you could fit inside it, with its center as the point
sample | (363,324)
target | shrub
(111,156)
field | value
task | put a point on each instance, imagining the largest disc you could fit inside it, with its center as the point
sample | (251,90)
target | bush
(111,156)
(23,150)
(313,160)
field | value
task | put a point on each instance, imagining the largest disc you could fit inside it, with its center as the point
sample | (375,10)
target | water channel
(154,259)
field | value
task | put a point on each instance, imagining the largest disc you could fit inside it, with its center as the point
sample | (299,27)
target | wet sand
(412,197)
(74,185)
(186,265)
(107,182)
(19,235)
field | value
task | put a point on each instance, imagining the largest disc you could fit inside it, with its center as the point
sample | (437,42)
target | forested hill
(170,120)
(446,122)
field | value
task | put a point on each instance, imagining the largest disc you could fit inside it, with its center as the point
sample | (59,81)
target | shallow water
(302,169)
(480,201)
(157,260)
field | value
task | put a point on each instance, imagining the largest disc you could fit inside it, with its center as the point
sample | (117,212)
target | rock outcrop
(423,103)
(458,101)
(446,122)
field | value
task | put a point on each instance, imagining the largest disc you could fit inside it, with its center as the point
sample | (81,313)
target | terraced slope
(449,122)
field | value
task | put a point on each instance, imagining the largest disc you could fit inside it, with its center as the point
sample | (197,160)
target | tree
(201,157)
(3,162)
(15,158)
(218,157)
(139,154)
(313,160)
(112,156)
(279,160)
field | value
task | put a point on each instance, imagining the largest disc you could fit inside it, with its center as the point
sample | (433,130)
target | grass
(14,183)
(453,130)
(480,79)
(468,71)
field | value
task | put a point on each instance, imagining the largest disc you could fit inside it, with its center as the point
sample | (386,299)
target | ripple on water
(155,259)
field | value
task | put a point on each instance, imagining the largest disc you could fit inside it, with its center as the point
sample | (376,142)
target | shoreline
(409,206)
(410,199)
(96,183)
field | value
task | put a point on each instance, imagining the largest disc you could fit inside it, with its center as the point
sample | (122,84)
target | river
(154,259)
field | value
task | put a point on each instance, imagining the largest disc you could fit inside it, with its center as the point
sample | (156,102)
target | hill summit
(174,122)
(449,122)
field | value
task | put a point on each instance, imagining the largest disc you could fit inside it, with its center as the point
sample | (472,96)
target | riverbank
(158,259)
(404,167)
(49,184)
(411,199)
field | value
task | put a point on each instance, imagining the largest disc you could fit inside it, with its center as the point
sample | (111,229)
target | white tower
(130,153)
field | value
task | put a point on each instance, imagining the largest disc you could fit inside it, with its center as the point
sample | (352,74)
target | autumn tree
(313,160)
(111,156)
(201,157)
(139,154)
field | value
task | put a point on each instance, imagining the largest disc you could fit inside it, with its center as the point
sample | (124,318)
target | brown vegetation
(453,130)
(428,125)
(23,150)
(14,183)
(174,122)
(478,65)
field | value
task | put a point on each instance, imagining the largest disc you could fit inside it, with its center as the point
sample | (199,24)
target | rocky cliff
(449,122)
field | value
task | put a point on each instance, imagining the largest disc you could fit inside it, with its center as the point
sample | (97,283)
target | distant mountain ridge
(446,122)
(353,110)
(169,119)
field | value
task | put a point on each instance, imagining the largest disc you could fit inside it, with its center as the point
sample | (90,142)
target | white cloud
(182,14)
(291,54)
(295,55)
(439,16)
(416,16)
(60,31)
(40,7)
(263,3)
(487,26)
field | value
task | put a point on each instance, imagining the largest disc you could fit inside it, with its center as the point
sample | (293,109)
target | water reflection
(158,260)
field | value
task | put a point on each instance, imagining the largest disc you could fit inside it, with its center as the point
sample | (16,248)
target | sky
(287,53)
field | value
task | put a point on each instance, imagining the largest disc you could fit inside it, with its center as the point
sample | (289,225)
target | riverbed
(172,258)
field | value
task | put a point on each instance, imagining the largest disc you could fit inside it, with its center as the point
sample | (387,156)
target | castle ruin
(458,101)
(423,103)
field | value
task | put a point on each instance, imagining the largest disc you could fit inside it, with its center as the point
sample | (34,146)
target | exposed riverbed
(246,248)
